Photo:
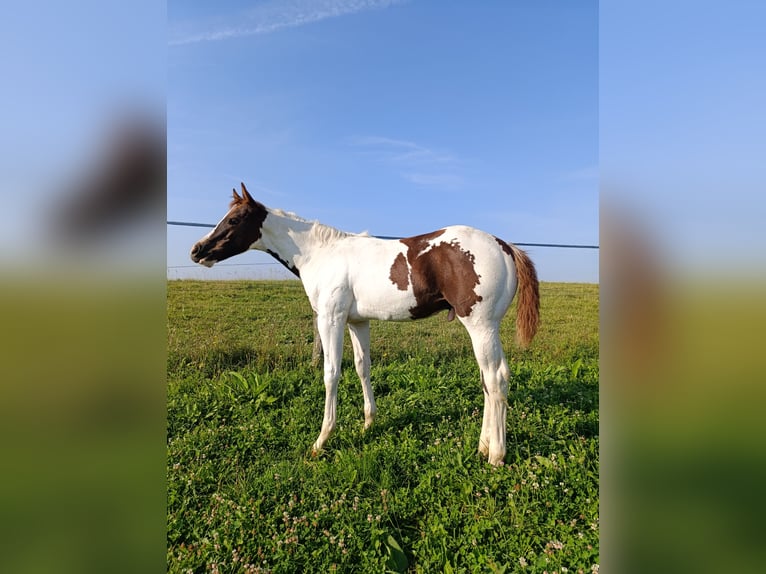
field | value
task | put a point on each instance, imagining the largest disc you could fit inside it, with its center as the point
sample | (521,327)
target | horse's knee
(331,374)
(505,372)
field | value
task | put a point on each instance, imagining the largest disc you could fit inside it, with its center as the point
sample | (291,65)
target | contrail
(277,15)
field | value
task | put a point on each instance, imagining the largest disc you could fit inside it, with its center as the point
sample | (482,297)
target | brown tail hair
(528,305)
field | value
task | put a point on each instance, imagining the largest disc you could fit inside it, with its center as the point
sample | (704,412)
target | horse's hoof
(497,459)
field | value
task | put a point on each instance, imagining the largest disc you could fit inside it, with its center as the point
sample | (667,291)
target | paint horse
(352,278)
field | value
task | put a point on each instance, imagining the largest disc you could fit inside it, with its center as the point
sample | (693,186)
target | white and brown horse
(351,279)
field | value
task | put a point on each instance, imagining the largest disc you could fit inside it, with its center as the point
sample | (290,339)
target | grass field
(412,493)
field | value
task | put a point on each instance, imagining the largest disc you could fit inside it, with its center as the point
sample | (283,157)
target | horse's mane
(323,234)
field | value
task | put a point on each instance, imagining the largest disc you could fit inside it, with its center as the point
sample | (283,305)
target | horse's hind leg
(331,333)
(484,436)
(494,375)
(360,341)
(316,349)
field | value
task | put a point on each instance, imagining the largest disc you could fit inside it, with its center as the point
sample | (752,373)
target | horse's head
(238,231)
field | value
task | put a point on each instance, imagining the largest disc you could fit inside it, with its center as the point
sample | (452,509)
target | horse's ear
(235,196)
(245,194)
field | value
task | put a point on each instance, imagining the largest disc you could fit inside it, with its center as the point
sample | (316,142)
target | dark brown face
(235,234)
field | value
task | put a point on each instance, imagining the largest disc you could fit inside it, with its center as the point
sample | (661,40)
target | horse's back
(457,267)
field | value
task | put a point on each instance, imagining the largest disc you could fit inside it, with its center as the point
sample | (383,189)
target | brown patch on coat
(400,273)
(292,268)
(505,246)
(443,277)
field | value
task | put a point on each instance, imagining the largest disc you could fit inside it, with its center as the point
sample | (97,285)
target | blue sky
(392,117)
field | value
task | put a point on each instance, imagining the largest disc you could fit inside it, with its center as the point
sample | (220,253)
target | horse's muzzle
(198,255)
(195,252)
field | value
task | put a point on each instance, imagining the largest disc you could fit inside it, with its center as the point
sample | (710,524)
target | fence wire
(519,243)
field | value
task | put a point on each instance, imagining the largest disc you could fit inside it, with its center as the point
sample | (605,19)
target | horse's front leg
(331,334)
(360,341)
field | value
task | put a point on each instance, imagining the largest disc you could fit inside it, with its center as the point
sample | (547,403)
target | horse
(353,278)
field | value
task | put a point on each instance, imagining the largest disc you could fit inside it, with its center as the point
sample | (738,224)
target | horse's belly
(383,306)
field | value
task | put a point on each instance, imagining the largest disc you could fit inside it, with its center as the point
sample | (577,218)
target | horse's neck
(292,241)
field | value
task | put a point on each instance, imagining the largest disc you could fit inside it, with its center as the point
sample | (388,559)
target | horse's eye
(233,220)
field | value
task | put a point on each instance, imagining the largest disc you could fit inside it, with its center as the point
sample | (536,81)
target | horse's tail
(528,305)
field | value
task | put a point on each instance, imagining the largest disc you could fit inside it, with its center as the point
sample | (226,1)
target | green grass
(410,494)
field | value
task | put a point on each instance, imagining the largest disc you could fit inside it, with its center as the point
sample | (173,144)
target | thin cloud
(402,151)
(443,180)
(273,16)
(415,163)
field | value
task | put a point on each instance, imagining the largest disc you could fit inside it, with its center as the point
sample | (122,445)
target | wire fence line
(196,266)
(557,245)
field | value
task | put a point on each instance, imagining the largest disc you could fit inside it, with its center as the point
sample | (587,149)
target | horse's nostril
(195,252)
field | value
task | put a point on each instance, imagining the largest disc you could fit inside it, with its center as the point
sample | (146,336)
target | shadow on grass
(217,360)
(576,395)
(421,423)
